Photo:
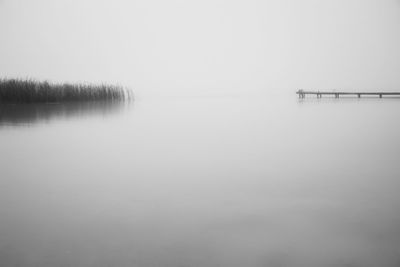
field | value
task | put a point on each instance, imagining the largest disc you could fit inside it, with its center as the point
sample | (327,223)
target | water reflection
(348,99)
(28,114)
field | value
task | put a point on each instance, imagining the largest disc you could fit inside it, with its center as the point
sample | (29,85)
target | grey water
(202,181)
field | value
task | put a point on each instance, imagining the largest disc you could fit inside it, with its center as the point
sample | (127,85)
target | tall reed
(32,91)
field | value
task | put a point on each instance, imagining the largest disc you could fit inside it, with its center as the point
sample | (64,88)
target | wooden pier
(319,94)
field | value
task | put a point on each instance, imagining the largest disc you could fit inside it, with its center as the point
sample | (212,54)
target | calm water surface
(181,182)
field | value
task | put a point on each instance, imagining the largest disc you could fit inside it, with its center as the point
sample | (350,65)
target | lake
(202,181)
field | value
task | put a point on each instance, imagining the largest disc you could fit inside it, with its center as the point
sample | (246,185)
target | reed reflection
(31,114)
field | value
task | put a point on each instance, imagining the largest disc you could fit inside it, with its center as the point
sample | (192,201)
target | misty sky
(209,45)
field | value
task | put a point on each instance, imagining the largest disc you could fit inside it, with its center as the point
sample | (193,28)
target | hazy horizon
(192,47)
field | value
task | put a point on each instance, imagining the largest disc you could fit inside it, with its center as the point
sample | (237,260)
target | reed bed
(32,91)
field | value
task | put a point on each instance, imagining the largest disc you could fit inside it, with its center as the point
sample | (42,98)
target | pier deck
(319,94)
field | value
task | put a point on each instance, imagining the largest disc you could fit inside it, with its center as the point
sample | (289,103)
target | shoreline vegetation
(15,91)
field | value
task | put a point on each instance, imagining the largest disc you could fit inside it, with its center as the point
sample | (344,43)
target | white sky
(204,46)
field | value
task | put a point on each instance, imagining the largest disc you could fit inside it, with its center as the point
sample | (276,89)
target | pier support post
(380,95)
(359,95)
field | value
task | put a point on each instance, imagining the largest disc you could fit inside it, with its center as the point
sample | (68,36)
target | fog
(232,169)
(204,47)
